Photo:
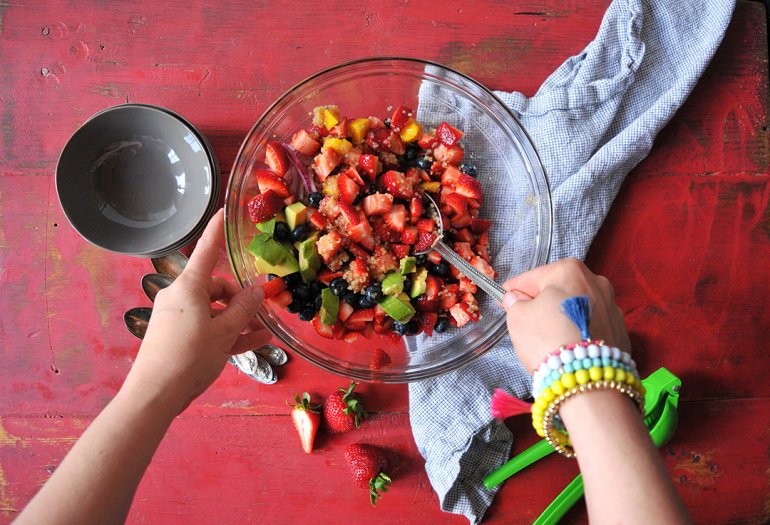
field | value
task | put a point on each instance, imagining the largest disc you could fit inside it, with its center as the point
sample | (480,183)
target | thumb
(514,296)
(241,309)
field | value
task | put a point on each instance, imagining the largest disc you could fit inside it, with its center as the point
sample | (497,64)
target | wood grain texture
(686,246)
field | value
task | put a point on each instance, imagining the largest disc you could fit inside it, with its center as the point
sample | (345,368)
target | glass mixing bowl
(517,200)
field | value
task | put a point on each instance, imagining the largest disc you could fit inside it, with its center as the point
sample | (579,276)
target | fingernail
(258,293)
(509,299)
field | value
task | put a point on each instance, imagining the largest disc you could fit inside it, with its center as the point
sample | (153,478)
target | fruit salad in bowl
(330,209)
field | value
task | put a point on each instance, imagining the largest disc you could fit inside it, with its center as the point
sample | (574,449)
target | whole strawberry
(367,463)
(306,418)
(343,410)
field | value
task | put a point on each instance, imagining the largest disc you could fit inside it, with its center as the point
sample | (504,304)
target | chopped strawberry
(383,325)
(483,251)
(350,337)
(349,213)
(303,142)
(338,331)
(361,232)
(340,130)
(345,310)
(325,162)
(317,220)
(428,141)
(327,276)
(329,206)
(482,266)
(429,301)
(424,241)
(282,299)
(459,313)
(377,204)
(426,225)
(382,260)
(375,122)
(450,176)
(317,131)
(273,287)
(397,185)
(396,218)
(370,164)
(467,286)
(368,331)
(324,330)
(362,316)
(460,220)
(307,420)
(447,134)
(269,180)
(427,321)
(409,235)
(456,204)
(264,206)
(400,117)
(357,275)
(452,156)
(469,187)
(395,144)
(380,359)
(463,235)
(415,209)
(434,257)
(383,232)
(347,188)
(352,157)
(275,158)
(352,172)
(291,199)
(378,138)
(356,250)
(400,250)
(464,250)
(474,204)
(449,296)
(329,245)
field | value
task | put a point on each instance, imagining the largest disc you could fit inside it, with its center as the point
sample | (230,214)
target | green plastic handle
(519,462)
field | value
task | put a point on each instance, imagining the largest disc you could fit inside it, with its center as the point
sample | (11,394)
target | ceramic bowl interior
(137,180)
(516,192)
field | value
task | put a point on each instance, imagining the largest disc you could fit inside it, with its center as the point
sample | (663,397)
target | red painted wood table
(686,244)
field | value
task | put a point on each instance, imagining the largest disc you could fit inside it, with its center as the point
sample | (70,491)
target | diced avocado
(398,307)
(419,282)
(309,261)
(393,283)
(267,249)
(330,307)
(287,266)
(296,214)
(311,235)
(408,265)
(267,227)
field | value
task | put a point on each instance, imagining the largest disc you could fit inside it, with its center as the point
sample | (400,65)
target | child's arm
(183,352)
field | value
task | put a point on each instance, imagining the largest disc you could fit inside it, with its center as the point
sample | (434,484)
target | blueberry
(300,233)
(358,199)
(307,313)
(317,301)
(294,307)
(315,198)
(282,232)
(351,298)
(365,302)
(301,292)
(374,291)
(442,325)
(293,280)
(440,269)
(315,287)
(469,169)
(271,276)
(411,151)
(412,327)
(400,328)
(420,259)
(338,286)
(407,284)
(424,163)
(371,189)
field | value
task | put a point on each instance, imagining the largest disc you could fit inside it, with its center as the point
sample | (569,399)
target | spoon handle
(478,278)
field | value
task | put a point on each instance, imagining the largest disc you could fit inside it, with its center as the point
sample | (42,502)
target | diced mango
(341,146)
(327,116)
(411,131)
(357,129)
(430,187)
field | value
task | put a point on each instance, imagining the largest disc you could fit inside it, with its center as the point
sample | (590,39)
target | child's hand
(535,320)
(187,342)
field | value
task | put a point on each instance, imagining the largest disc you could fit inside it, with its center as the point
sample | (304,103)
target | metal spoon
(136,320)
(171,265)
(152,283)
(450,256)
(255,367)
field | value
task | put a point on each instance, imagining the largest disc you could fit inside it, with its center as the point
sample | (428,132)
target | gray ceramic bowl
(137,180)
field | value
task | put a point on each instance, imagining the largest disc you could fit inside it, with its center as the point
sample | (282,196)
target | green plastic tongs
(661,401)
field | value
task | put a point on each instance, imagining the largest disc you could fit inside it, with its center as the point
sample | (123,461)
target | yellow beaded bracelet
(560,440)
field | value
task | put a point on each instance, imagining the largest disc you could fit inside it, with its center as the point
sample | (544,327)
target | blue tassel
(578,309)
